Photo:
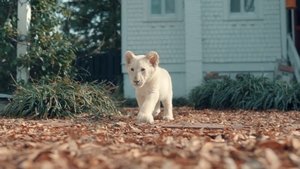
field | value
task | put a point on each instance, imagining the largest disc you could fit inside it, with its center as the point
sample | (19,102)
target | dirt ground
(201,139)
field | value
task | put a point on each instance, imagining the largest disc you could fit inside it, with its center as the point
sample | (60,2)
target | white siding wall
(193,47)
(141,36)
(228,43)
(224,46)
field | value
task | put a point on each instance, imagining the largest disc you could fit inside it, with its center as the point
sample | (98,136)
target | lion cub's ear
(128,57)
(153,58)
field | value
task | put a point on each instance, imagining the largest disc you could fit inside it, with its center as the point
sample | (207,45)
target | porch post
(293,23)
(193,44)
(24,16)
(283,19)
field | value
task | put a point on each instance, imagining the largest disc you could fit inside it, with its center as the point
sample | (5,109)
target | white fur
(152,84)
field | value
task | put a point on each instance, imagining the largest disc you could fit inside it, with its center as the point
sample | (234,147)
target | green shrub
(246,92)
(50,52)
(59,98)
(206,96)
(8,34)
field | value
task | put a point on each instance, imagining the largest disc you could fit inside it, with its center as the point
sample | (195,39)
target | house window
(164,10)
(156,7)
(243,9)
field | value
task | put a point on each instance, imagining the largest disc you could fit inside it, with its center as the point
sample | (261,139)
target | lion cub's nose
(136,81)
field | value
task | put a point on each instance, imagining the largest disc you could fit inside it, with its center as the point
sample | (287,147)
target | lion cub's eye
(143,69)
(132,69)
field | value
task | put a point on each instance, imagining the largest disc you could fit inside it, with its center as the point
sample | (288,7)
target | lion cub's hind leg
(156,110)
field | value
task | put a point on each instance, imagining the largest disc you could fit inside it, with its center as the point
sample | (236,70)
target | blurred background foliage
(8,33)
(60,31)
(94,25)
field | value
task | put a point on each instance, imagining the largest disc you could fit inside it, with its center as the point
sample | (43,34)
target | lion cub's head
(140,68)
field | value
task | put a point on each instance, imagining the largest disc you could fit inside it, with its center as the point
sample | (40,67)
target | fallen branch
(203,125)
(195,126)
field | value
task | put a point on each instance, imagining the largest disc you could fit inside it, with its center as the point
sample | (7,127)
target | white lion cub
(152,84)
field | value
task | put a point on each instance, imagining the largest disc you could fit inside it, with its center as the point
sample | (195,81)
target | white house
(196,37)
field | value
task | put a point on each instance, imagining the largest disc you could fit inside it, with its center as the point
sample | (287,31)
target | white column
(193,44)
(283,19)
(24,16)
(128,89)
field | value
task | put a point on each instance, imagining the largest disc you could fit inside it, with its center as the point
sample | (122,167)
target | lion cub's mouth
(137,84)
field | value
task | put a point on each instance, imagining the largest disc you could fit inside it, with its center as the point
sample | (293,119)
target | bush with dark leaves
(246,92)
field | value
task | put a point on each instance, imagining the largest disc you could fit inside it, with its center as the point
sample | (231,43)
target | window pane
(156,6)
(249,6)
(170,6)
(235,6)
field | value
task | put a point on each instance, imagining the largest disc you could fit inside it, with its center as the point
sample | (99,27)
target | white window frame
(177,16)
(256,15)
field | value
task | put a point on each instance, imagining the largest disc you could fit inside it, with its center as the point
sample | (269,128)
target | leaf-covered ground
(195,139)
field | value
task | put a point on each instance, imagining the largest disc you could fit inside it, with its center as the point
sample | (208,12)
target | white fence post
(24,16)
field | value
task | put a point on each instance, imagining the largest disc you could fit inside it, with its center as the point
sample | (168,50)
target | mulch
(208,139)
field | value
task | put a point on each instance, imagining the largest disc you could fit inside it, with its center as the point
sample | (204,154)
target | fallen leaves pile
(206,139)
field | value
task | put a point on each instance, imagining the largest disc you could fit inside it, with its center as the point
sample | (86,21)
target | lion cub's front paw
(169,117)
(145,118)
(156,112)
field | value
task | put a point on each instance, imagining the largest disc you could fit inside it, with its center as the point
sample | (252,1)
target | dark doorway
(297,28)
(296,24)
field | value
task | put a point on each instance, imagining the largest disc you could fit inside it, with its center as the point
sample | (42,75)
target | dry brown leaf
(219,139)
(272,158)
(6,154)
(120,124)
(296,133)
(135,153)
(60,159)
(239,136)
(203,164)
(296,143)
(134,129)
(169,140)
(271,144)
(194,144)
(249,144)
(251,164)
(229,163)
(295,159)
(46,165)
(151,159)
(170,165)
(209,154)
(207,147)
(117,142)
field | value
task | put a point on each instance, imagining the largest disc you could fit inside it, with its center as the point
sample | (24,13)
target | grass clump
(246,92)
(60,98)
